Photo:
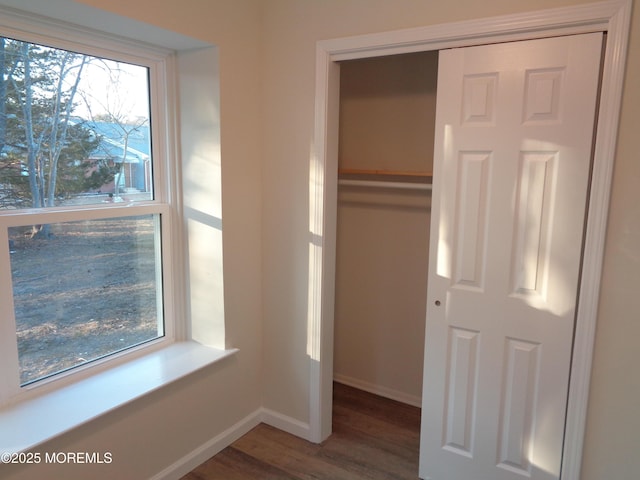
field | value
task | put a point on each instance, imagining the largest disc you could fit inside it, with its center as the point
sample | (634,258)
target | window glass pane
(74,129)
(91,288)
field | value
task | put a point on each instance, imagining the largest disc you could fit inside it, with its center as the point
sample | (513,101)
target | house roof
(117,137)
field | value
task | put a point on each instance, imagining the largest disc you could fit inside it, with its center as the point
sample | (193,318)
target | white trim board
(284,423)
(204,452)
(612,17)
(33,421)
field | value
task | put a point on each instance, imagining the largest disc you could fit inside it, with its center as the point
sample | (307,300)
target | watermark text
(57,457)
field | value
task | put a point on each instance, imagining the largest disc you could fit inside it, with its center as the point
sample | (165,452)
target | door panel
(514,135)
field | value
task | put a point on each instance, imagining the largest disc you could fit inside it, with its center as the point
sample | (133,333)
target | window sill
(32,422)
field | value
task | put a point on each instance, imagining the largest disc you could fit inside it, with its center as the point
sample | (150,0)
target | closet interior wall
(387,120)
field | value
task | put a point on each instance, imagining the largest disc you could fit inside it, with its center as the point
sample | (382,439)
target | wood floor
(373,438)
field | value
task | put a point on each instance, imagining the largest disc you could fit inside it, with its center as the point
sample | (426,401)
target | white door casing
(514,129)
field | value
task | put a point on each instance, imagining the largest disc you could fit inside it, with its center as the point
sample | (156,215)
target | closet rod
(383,184)
(391,173)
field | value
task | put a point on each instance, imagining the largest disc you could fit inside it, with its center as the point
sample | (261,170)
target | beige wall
(291,29)
(613,424)
(381,286)
(267,51)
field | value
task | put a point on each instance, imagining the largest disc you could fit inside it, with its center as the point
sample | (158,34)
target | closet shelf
(380,179)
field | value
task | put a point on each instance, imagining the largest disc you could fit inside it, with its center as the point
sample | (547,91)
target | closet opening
(385,162)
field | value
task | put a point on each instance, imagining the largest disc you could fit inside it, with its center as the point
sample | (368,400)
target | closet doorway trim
(612,17)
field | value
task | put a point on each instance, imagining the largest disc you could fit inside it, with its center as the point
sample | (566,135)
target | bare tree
(43,149)
(46,130)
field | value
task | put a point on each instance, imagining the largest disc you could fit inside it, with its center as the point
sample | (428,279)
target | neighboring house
(128,144)
(121,143)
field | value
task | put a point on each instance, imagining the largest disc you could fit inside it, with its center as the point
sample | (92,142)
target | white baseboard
(402,397)
(277,420)
(286,423)
(207,450)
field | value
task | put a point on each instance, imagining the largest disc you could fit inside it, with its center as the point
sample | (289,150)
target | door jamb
(612,17)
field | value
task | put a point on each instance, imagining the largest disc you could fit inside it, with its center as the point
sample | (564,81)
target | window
(168,201)
(85,209)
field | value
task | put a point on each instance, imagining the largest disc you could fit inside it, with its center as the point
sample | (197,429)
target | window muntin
(155,202)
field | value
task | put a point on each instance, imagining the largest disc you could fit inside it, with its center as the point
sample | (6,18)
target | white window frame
(165,198)
(190,342)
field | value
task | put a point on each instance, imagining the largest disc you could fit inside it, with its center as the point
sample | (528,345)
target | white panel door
(515,123)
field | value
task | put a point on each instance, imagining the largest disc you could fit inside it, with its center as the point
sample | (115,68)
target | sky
(115,88)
